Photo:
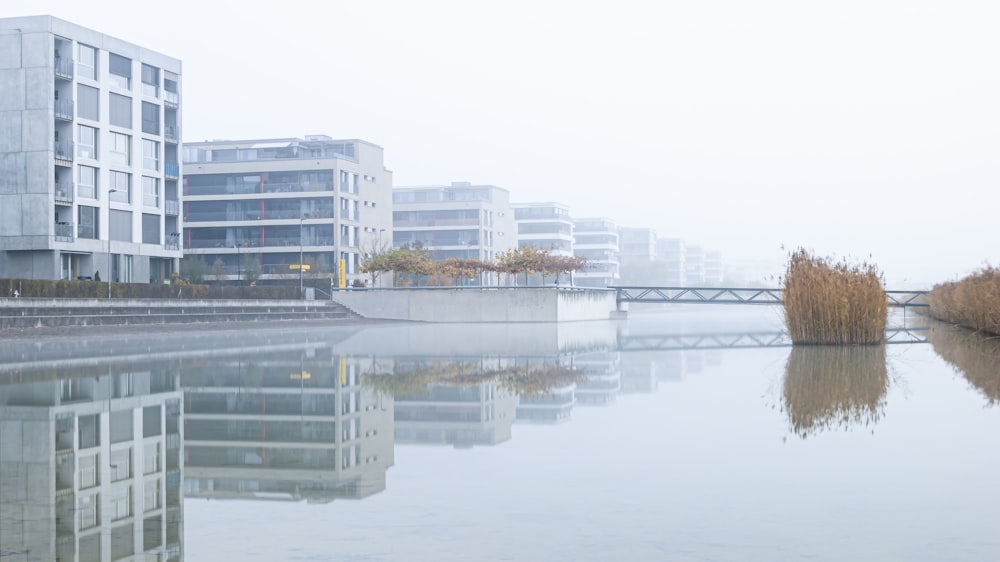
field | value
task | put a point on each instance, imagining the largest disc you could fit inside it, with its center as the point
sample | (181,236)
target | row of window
(119,147)
(120,71)
(119,186)
(119,110)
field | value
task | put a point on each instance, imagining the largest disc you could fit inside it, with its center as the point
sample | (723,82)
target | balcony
(64,232)
(64,193)
(63,152)
(172,207)
(171,99)
(171,134)
(64,110)
(63,68)
(86,231)
(172,171)
(172,244)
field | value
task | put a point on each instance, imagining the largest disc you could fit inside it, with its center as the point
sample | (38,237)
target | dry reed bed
(834,386)
(975,356)
(973,302)
(837,303)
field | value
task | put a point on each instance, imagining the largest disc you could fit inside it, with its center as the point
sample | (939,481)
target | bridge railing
(738,295)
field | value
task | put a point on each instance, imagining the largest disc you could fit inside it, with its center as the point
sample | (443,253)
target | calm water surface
(682,434)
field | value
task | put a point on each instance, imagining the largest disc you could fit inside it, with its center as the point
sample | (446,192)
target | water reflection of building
(286,426)
(553,406)
(90,468)
(639,372)
(462,416)
(603,378)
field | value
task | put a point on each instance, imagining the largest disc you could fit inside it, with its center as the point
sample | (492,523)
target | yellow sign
(342,273)
(303,376)
(303,267)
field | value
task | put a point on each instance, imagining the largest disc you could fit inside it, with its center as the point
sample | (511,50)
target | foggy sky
(863,129)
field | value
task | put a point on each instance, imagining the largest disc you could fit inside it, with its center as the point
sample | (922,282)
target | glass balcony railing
(171,98)
(172,170)
(64,110)
(64,192)
(64,68)
(64,232)
(86,231)
(171,134)
(63,150)
(172,207)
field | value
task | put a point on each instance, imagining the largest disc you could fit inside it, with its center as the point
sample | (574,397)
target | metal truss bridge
(672,342)
(738,295)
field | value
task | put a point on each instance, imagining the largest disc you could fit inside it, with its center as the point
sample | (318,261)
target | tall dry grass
(973,302)
(829,302)
(974,356)
(829,387)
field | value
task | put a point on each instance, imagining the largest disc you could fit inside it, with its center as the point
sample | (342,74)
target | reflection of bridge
(737,295)
(668,342)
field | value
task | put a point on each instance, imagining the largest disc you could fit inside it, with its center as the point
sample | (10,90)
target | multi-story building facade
(259,208)
(461,220)
(673,253)
(92,467)
(638,244)
(694,265)
(546,226)
(596,239)
(89,145)
(714,269)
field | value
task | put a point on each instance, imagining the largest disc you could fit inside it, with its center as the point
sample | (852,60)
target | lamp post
(110,191)
(301,292)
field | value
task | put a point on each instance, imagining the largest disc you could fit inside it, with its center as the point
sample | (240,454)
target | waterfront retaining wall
(449,304)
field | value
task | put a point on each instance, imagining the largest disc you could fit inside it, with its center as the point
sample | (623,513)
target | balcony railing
(171,170)
(86,231)
(171,98)
(63,150)
(64,192)
(171,134)
(64,110)
(172,207)
(64,232)
(172,245)
(64,68)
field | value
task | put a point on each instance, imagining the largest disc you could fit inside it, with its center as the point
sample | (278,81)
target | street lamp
(110,191)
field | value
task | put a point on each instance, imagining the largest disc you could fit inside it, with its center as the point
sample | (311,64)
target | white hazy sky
(866,129)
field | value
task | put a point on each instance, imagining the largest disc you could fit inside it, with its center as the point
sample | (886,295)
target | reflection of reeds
(830,386)
(973,301)
(524,380)
(833,303)
(975,356)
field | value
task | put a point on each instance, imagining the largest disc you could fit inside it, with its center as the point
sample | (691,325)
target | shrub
(833,303)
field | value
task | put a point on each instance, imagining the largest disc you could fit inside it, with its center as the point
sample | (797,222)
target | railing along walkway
(738,295)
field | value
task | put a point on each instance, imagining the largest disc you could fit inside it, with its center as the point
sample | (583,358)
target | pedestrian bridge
(678,342)
(737,295)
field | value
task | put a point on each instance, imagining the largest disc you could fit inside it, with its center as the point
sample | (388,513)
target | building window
(86,222)
(90,476)
(86,145)
(152,498)
(150,118)
(121,187)
(150,155)
(86,103)
(121,149)
(150,191)
(121,464)
(90,515)
(151,461)
(120,69)
(121,503)
(86,61)
(121,111)
(150,81)
(86,184)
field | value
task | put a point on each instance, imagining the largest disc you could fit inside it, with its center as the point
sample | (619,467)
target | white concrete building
(89,144)
(673,252)
(637,244)
(460,220)
(596,239)
(258,207)
(546,226)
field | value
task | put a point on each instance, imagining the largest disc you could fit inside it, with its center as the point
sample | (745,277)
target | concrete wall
(481,305)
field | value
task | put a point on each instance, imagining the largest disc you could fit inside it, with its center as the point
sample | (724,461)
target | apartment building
(673,253)
(460,220)
(546,226)
(92,466)
(89,145)
(256,209)
(596,239)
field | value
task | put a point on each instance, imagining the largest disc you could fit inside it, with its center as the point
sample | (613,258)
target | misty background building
(596,239)
(252,208)
(89,144)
